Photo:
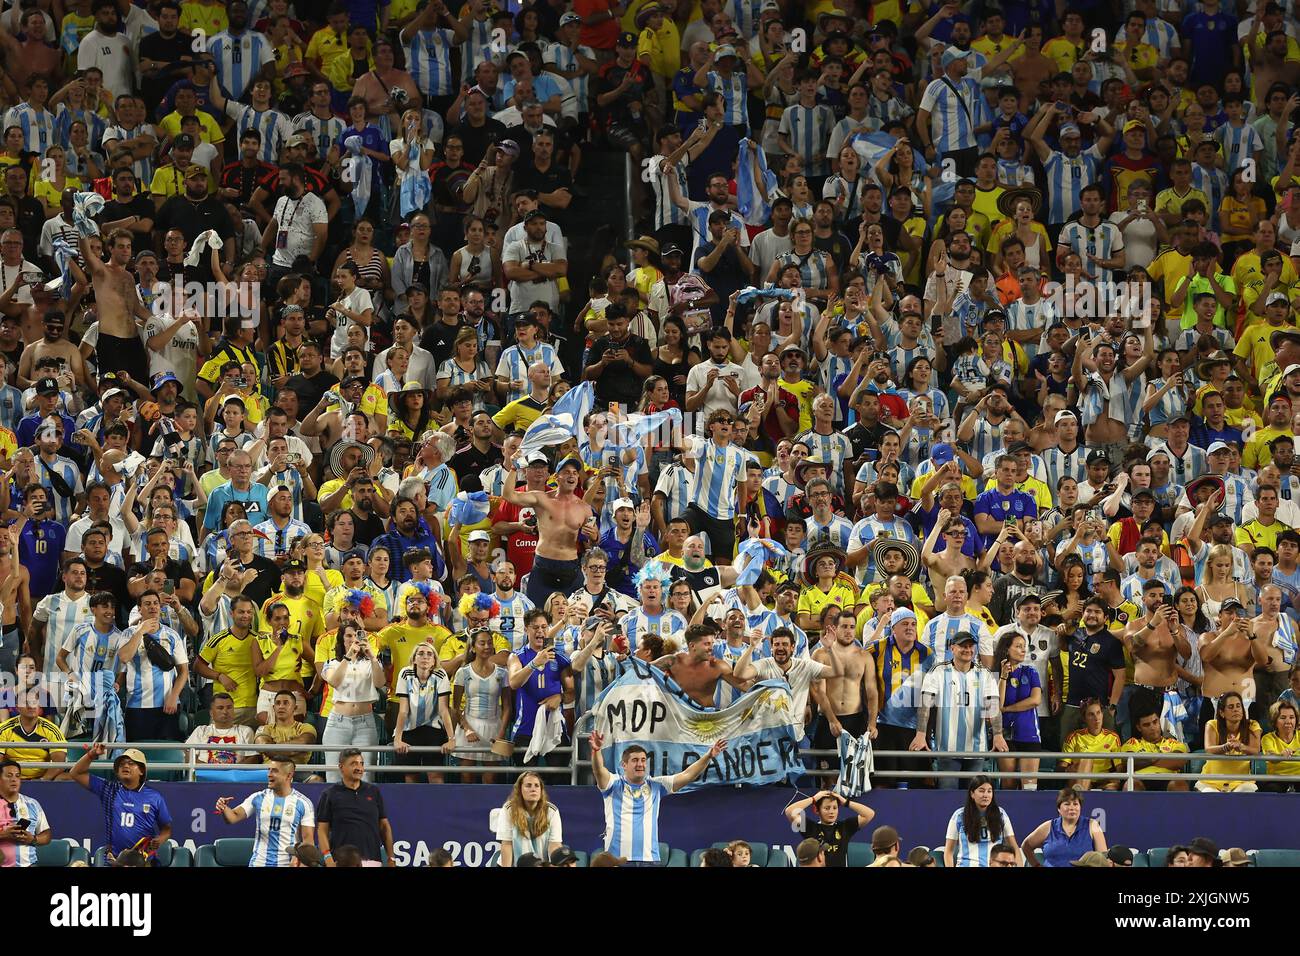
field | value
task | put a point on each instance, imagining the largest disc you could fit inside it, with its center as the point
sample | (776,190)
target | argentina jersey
(808,129)
(667,212)
(326,130)
(422,697)
(1023,316)
(597,674)
(675,486)
(562,58)
(22,807)
(959,706)
(814,267)
(148,685)
(142,167)
(510,622)
(38,126)
(734,91)
(279,822)
(239,59)
(638,624)
(1066,176)
(272,125)
(835,533)
(1212,182)
(1103,240)
(1238,143)
(724,695)
(1060,464)
(952,112)
(940,631)
(428,60)
(866,531)
(632,816)
(514,362)
(477,49)
(834,448)
(718,473)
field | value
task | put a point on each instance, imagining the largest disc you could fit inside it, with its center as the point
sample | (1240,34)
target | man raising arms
(697,671)
(118,305)
(561,517)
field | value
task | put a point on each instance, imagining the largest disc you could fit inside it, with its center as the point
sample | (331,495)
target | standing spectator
(282,817)
(135,814)
(351,813)
(600,25)
(357,677)
(965,697)
(979,826)
(719,469)
(632,799)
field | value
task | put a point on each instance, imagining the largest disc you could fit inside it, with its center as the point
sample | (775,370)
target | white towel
(202,242)
(548,731)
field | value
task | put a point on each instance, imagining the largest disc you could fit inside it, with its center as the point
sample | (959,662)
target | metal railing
(574,764)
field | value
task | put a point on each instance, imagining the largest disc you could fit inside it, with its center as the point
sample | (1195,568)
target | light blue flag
(751,557)
(468,508)
(416,188)
(749,198)
(64,256)
(85,207)
(360,167)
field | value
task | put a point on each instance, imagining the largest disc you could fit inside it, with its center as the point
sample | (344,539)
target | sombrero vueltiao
(812,557)
(1007,201)
(336,456)
(911,556)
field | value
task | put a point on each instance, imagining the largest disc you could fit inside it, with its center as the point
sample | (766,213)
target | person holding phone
(357,677)
(23,825)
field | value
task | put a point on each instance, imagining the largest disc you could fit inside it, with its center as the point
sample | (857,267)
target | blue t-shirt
(539,686)
(130,815)
(253,500)
(1017,504)
(1211,38)
(1021,725)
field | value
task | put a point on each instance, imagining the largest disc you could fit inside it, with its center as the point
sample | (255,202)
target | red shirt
(602,36)
(521,546)
(788,402)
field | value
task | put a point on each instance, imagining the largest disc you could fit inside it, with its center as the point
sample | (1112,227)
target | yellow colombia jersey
(813,600)
(288,666)
(401,640)
(233,656)
(1165,745)
(1082,742)
(11,731)
(1273,744)
(305,617)
(454,644)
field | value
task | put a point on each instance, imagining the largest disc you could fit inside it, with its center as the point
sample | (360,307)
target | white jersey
(279,822)
(61,615)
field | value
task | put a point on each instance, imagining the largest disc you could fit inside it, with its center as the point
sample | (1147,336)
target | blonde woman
(1218,585)
(528,823)
(423,718)
(320,579)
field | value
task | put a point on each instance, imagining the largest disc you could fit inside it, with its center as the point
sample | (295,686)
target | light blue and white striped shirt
(837,532)
(514,362)
(510,622)
(142,167)
(147,685)
(597,674)
(632,816)
(867,530)
(808,129)
(834,448)
(564,59)
(1238,143)
(272,125)
(675,485)
(718,473)
(963,700)
(65,469)
(279,821)
(422,697)
(477,48)
(61,615)
(735,96)
(38,126)
(941,629)
(428,60)
(482,696)
(667,212)
(1066,178)
(724,695)
(974,854)
(239,59)
(278,541)
(1103,240)
(23,807)
(323,131)
(952,108)
(1212,182)
(638,624)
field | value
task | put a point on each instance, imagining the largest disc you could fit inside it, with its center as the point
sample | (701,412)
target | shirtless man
(950,560)
(118,305)
(1155,641)
(561,517)
(850,696)
(1102,430)
(1275,634)
(696,670)
(53,344)
(14,591)
(1229,658)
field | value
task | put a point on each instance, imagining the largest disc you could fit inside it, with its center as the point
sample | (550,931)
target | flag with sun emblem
(646,707)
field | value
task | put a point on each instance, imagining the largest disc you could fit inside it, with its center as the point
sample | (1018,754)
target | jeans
(550,575)
(948,764)
(359,731)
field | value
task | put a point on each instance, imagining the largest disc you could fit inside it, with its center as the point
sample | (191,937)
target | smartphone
(169,587)
(22,824)
(241,382)
(936,324)
(614,406)
(1142,205)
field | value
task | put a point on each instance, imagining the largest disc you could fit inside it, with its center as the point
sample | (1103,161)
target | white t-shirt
(718,396)
(118,546)
(524,294)
(803,671)
(358,300)
(213,738)
(295,219)
(1139,239)
(180,354)
(112,55)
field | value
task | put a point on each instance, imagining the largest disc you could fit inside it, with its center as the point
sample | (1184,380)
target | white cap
(1064,413)
(623,503)
(1293,367)
(1217,446)
(479,535)
(1295,247)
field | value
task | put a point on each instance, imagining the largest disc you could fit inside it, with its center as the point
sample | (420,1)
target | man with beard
(478,456)
(369,525)
(100,575)
(156,558)
(299,225)
(1096,668)
(697,670)
(1043,654)
(1010,588)
(194,212)
(54,345)
(57,615)
(280,531)
(849,701)
(312,380)
(800,673)
(699,572)
(408,530)
(401,640)
(242,553)
(560,517)
(1156,642)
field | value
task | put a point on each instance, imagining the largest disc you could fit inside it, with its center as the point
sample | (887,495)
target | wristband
(328,856)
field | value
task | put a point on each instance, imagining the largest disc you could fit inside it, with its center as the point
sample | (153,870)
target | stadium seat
(166,756)
(1140,858)
(174,856)
(1156,856)
(937,855)
(1038,855)
(675,859)
(778,860)
(229,851)
(860,855)
(59,853)
(1272,858)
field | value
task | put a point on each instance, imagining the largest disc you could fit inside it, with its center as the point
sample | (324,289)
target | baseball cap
(1231,604)
(161,379)
(119,392)
(47,386)
(1216,447)
(562,855)
(570,18)
(1219,518)
(537,458)
(479,535)
(629,39)
(1276,297)
(672,249)
(1120,856)
(809,849)
(1158,450)
(1063,414)
(1068,129)
(295,565)
(1291,369)
(296,140)
(952,55)
(355,380)
(1134,124)
(1143,493)
(184,141)
(725,50)
(360,555)
(132,754)
(964,637)
(572,462)
(534,214)
(623,503)
(308,855)
(941,453)
(1096,456)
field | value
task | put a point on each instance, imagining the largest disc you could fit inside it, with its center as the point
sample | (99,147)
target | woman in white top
(357,678)
(528,823)
(472,266)
(353,307)
(422,716)
(482,702)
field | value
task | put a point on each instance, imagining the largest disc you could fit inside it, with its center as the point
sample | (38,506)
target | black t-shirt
(835,837)
(112,579)
(700,581)
(367,529)
(310,390)
(469,461)
(158,47)
(353,817)
(176,571)
(268,578)
(141,206)
(557,177)
(439,338)
(1091,658)
(619,383)
(837,247)
(193,218)
(476,138)
(863,436)
(31,219)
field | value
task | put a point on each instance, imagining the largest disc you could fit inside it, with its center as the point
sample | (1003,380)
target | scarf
(359,171)
(84,209)
(64,256)
(749,196)
(417,190)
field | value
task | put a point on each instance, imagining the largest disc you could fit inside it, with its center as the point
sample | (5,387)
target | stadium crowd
(976,324)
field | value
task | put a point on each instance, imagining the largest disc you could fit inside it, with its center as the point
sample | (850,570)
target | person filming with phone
(23,826)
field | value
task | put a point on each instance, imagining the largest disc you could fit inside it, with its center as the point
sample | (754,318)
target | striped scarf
(360,172)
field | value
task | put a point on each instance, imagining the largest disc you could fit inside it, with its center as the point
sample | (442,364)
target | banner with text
(646,707)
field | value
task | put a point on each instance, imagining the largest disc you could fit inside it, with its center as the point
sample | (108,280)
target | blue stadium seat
(1156,856)
(760,853)
(778,860)
(1277,858)
(59,853)
(937,855)
(1140,859)
(174,856)
(229,851)
(860,854)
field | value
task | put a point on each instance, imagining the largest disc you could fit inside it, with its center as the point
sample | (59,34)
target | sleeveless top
(476,268)
(1060,850)
(370,271)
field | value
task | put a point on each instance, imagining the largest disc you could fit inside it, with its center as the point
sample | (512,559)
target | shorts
(122,355)
(624,135)
(550,575)
(1025,746)
(266,703)
(424,737)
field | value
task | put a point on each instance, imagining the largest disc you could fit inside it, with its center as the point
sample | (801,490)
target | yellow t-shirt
(1254,346)
(1172,267)
(273,733)
(664,48)
(1165,745)
(331,486)
(519,414)
(1273,744)
(233,656)
(986,203)
(315,590)
(1260,535)
(1257,454)
(11,731)
(1247,274)
(1231,765)
(864,623)
(968,486)
(803,390)
(326,46)
(1167,200)
(8,444)
(1082,742)
(48,193)
(171,125)
(288,666)
(1007,227)
(455,644)
(336,597)
(814,600)
(209,17)
(1142,57)
(305,617)
(402,640)
(991,48)
(1064,52)
(169,181)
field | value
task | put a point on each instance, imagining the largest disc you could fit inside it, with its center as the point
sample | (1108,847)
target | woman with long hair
(379,565)
(1021,691)
(977,827)
(918,380)
(419,310)
(371,263)
(1238,215)
(397,362)
(845,189)
(53,179)
(1233,734)
(529,822)
(1166,396)
(1066,838)
(659,446)
(409,411)
(1092,738)
(481,701)
(979,589)
(1074,582)
(357,678)
(1282,739)
(682,599)
(320,578)
(465,368)
(1191,671)
(423,718)
(1218,584)
(473,265)
(675,357)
